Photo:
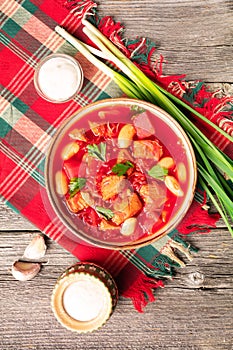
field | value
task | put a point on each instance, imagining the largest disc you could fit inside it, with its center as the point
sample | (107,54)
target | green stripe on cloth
(11,206)
(11,27)
(29,6)
(103,95)
(5,128)
(158,258)
(20,105)
(11,115)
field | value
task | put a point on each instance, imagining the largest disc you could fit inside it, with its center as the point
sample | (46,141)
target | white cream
(59,78)
(83,300)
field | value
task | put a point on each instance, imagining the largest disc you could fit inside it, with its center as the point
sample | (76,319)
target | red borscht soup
(120,174)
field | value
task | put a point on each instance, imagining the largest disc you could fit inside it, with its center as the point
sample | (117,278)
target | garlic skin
(36,248)
(24,271)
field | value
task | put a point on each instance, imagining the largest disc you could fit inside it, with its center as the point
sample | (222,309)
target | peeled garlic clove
(166,162)
(128,226)
(61,183)
(36,248)
(24,271)
(69,150)
(173,185)
(182,172)
(125,136)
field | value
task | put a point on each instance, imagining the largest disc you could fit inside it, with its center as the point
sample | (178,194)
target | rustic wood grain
(195,37)
(195,310)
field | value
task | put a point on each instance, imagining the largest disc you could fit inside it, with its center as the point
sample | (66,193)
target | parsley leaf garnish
(75,185)
(121,168)
(106,213)
(158,172)
(97,152)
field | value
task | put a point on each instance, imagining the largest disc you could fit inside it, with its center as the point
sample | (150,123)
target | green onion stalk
(215,169)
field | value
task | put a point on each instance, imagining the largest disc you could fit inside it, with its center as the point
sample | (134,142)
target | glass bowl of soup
(120,173)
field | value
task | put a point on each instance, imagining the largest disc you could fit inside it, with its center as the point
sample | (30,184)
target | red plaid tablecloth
(27,124)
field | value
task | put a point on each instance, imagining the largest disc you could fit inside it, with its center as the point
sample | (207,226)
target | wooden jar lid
(84,297)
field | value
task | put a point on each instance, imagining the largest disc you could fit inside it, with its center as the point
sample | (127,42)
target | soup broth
(120,174)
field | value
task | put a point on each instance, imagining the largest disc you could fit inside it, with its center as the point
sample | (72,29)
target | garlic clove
(128,226)
(126,135)
(182,172)
(61,183)
(24,271)
(69,150)
(166,162)
(36,248)
(173,185)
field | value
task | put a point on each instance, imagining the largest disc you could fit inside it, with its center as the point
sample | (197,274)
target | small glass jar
(58,78)
(84,297)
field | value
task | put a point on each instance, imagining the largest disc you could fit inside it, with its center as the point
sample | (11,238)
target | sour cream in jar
(83,300)
(58,78)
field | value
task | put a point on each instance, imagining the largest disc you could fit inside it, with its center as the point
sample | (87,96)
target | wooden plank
(195,37)
(186,315)
(9,220)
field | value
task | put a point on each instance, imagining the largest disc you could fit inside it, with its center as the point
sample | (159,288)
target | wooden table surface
(195,310)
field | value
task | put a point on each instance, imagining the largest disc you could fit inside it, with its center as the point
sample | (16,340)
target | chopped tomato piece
(71,166)
(137,179)
(90,217)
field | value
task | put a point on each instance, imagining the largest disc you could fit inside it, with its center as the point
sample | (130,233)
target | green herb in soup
(106,213)
(122,168)
(75,185)
(158,172)
(97,151)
